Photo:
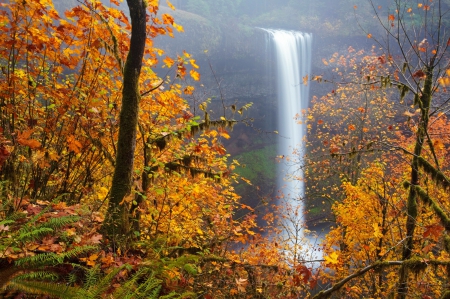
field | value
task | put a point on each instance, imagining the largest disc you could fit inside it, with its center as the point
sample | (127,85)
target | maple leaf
(24,139)
(94,239)
(168,61)
(332,258)
(241,284)
(90,261)
(73,144)
(434,231)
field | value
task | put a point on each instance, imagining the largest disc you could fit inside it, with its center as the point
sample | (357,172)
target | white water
(292,54)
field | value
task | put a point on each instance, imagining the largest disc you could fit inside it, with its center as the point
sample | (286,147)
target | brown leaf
(95,239)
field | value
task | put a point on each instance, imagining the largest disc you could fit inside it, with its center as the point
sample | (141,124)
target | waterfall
(291,52)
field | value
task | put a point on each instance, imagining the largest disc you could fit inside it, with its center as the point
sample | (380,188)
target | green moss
(258,164)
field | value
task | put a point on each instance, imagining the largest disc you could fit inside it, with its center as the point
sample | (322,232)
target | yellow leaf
(188,90)
(332,258)
(324,61)
(419,5)
(179,28)
(376,231)
(168,61)
(192,62)
(170,5)
(305,80)
(194,75)
(224,135)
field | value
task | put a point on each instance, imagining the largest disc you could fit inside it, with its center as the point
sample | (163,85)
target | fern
(103,285)
(59,222)
(52,259)
(91,276)
(33,235)
(135,287)
(37,275)
(44,288)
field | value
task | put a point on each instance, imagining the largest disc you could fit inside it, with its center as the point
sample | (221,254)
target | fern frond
(171,295)
(58,222)
(26,235)
(102,286)
(135,287)
(44,288)
(92,275)
(6,222)
(49,259)
(37,275)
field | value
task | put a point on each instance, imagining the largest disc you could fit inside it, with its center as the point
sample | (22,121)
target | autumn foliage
(61,85)
(378,162)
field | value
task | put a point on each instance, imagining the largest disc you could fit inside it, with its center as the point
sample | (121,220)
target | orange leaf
(168,61)
(305,80)
(369,35)
(23,139)
(73,144)
(391,18)
(351,127)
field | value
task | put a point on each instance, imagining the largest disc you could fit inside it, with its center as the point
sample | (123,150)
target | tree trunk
(116,226)
(411,206)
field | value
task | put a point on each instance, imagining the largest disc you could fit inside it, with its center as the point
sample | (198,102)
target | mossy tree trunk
(411,205)
(116,226)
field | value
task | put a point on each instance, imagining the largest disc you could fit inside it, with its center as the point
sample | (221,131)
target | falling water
(292,56)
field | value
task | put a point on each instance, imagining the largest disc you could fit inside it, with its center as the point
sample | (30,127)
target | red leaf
(419,74)
(4,154)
